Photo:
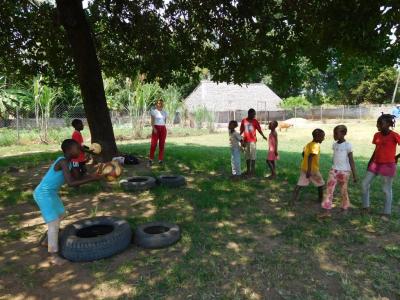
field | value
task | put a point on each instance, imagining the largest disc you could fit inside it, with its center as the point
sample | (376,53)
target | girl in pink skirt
(272,148)
(383,162)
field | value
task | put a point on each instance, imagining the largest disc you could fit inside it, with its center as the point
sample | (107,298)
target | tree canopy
(238,41)
(302,47)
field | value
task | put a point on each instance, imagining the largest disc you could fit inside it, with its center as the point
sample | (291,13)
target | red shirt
(249,129)
(385,150)
(77,136)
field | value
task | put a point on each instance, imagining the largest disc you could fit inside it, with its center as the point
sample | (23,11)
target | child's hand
(276,153)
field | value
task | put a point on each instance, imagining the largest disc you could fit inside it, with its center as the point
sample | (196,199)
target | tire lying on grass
(137,183)
(155,235)
(171,180)
(95,238)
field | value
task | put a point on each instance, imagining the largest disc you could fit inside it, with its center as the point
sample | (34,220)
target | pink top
(272,147)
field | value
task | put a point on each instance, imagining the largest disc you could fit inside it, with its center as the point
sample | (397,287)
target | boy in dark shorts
(249,128)
(78,164)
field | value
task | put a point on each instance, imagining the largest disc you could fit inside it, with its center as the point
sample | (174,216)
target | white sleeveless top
(160,117)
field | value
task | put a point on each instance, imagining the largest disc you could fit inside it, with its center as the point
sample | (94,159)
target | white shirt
(341,156)
(160,117)
(234,139)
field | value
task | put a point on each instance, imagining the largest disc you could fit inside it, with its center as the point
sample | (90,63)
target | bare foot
(344,211)
(385,217)
(56,260)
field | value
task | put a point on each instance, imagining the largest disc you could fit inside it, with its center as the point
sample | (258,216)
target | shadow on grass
(239,240)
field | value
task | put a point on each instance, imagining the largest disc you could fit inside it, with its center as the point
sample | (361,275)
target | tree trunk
(73,19)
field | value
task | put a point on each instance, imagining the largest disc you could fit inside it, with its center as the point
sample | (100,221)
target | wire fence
(315,113)
(61,116)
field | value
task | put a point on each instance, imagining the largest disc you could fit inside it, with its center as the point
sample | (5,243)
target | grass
(239,239)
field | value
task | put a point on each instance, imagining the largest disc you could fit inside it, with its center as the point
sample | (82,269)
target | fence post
(321,112)
(295,112)
(17,124)
(343,113)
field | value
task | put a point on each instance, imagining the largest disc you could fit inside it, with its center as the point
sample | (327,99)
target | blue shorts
(50,205)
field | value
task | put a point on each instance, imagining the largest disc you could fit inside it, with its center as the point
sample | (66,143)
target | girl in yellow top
(310,166)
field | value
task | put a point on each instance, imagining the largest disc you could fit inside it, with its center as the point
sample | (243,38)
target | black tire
(155,235)
(95,238)
(171,180)
(137,183)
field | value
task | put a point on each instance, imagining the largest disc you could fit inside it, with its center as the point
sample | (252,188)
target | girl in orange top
(383,161)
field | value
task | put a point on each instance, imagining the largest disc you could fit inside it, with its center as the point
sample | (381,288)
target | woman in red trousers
(159,134)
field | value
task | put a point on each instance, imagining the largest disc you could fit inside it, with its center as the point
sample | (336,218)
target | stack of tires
(102,237)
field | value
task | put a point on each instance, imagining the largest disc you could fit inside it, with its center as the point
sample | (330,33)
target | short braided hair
(388,118)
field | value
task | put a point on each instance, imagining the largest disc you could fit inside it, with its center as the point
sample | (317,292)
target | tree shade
(237,41)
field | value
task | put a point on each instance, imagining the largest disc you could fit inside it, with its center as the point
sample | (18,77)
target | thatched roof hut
(232,100)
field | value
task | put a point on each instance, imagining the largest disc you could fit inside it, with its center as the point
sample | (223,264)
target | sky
(85,3)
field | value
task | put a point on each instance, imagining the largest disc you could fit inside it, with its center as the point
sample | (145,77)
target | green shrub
(298,101)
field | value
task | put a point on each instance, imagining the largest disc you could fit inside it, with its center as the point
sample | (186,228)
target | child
(272,148)
(236,140)
(310,166)
(47,198)
(249,128)
(383,161)
(79,163)
(343,163)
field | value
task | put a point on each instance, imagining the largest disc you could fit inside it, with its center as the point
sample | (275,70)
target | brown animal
(283,125)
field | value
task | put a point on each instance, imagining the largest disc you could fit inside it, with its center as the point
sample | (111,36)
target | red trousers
(158,136)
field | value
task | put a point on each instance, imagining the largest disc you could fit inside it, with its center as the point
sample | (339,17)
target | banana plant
(44,100)
(172,102)
(13,98)
(136,97)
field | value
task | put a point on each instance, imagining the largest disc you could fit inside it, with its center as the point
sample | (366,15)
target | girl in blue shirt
(47,196)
